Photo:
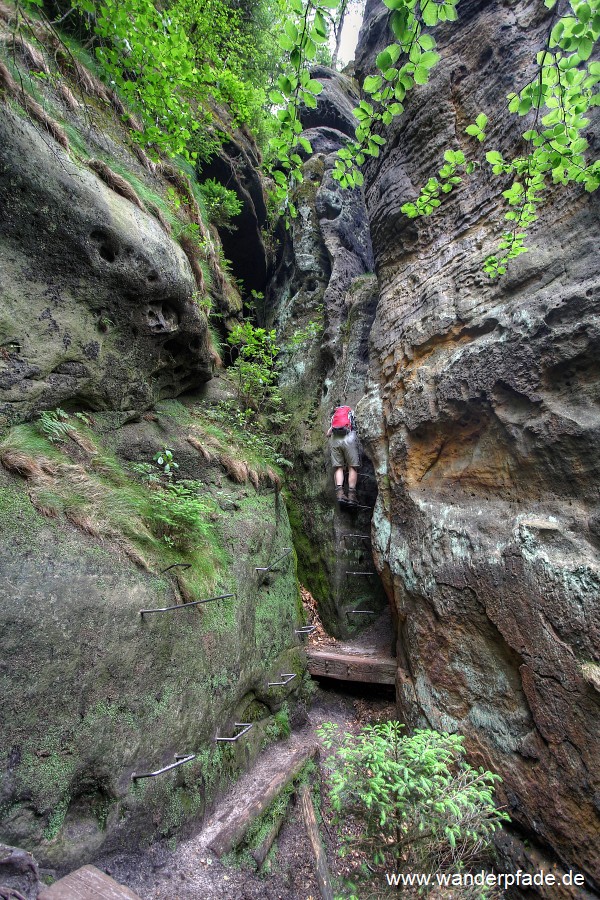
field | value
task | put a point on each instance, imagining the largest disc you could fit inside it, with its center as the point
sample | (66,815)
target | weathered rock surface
(323,302)
(92,691)
(97,301)
(483,420)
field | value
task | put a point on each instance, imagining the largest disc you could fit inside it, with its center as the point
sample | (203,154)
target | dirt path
(193,872)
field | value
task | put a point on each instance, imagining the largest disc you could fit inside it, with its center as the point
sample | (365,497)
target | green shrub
(409,802)
(181,514)
(222,205)
(255,370)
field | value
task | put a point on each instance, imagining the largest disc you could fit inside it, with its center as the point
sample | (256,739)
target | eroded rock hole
(161,318)
(108,248)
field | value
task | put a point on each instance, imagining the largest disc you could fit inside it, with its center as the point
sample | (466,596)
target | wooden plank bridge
(358,665)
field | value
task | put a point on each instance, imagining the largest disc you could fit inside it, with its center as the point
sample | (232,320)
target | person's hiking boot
(352,501)
(340,495)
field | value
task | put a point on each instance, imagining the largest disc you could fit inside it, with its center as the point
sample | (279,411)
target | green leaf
(285,42)
(291,31)
(421,75)
(305,144)
(372,83)
(429,60)
(429,12)
(383,61)
(426,41)
(314,86)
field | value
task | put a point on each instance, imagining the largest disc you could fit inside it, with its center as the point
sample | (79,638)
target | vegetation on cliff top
(177,65)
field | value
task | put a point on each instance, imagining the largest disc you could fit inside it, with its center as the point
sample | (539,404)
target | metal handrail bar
(345,534)
(306,629)
(288,676)
(185,605)
(264,569)
(245,726)
(359,573)
(180,761)
(362,612)
(176,566)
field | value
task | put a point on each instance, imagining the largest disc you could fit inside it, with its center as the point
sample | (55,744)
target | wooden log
(321,866)
(372,669)
(87,883)
(260,853)
(234,822)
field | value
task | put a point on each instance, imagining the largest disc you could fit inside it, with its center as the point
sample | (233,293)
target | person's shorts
(344,450)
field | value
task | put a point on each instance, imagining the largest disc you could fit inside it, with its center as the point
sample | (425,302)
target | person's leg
(353,457)
(338,476)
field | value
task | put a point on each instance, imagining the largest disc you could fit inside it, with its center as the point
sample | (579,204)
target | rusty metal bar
(176,566)
(185,605)
(245,726)
(180,761)
(360,573)
(306,629)
(265,569)
(288,676)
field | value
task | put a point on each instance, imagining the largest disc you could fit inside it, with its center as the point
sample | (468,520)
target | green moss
(312,570)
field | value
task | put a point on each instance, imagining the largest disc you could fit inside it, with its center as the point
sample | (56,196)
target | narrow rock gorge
(478,404)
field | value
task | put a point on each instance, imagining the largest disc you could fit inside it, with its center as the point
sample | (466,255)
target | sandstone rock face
(483,420)
(323,301)
(92,691)
(97,308)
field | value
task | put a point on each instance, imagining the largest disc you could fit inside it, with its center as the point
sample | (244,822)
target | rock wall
(483,420)
(104,282)
(97,301)
(92,691)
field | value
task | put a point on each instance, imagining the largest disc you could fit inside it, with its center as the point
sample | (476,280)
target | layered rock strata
(483,420)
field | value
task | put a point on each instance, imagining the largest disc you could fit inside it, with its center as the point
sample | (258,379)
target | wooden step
(87,883)
(227,828)
(371,667)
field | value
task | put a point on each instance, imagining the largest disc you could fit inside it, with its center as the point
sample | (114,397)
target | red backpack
(342,420)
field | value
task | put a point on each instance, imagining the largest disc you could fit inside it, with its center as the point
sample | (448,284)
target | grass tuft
(114,181)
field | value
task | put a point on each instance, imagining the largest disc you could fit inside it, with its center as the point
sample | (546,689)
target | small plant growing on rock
(222,204)
(166,462)
(255,369)
(54,424)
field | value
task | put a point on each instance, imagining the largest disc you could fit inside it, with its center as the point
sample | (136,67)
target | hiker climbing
(343,444)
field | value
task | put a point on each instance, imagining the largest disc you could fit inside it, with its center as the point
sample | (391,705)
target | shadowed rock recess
(483,419)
